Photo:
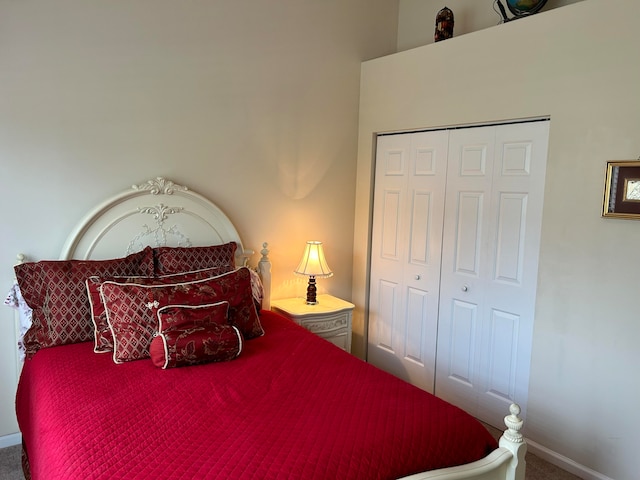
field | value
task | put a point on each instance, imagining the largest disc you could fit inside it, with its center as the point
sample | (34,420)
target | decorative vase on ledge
(444,25)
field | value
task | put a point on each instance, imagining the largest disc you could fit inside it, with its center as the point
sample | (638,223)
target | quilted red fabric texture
(192,335)
(291,406)
(103,338)
(56,292)
(131,308)
(184,259)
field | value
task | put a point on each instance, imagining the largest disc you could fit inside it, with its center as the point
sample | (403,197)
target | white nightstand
(330,318)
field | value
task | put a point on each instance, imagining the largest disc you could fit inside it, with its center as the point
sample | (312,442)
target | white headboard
(156,213)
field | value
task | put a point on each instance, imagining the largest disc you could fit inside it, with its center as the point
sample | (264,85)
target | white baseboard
(10,440)
(563,462)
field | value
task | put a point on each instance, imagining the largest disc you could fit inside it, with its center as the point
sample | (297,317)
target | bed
(164,361)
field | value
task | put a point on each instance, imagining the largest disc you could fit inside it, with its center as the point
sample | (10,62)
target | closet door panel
(464,264)
(381,333)
(415,165)
(421,214)
(388,248)
(391,234)
(509,259)
(464,326)
(417,315)
(473,156)
(418,300)
(503,357)
(426,189)
(514,237)
(468,232)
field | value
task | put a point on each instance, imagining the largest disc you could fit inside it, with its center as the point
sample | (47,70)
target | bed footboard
(507,462)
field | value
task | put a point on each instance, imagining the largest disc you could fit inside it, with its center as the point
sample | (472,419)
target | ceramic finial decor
(444,25)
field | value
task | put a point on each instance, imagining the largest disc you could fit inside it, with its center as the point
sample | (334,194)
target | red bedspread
(292,406)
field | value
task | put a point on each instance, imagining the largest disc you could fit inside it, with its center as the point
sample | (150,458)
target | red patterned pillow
(103,338)
(56,292)
(257,289)
(187,259)
(131,308)
(192,335)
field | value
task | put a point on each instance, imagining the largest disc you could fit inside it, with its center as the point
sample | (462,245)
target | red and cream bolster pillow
(193,335)
(131,309)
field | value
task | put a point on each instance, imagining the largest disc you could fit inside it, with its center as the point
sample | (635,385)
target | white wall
(253,104)
(574,65)
(417,18)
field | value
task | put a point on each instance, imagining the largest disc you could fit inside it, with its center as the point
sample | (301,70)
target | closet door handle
(465,288)
(417,277)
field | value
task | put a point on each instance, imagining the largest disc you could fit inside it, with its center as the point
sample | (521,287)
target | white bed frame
(161,213)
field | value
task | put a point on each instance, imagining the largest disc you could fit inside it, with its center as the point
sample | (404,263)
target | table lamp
(313,264)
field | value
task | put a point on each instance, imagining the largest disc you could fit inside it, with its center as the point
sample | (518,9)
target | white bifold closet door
(454,262)
(405,259)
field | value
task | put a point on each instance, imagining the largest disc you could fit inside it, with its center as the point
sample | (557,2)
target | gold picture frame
(622,190)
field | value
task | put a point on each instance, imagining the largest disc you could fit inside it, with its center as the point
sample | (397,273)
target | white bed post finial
(264,269)
(514,424)
(264,252)
(513,440)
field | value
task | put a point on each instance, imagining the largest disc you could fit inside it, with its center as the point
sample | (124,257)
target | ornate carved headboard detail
(158,213)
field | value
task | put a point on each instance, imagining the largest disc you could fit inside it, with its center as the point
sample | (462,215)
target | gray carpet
(10,463)
(537,469)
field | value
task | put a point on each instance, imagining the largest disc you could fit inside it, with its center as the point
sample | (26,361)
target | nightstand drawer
(330,324)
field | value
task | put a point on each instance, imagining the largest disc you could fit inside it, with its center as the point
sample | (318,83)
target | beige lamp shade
(313,264)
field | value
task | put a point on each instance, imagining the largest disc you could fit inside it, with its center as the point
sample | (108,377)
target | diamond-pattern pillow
(187,259)
(55,291)
(132,308)
(192,335)
(257,289)
(103,338)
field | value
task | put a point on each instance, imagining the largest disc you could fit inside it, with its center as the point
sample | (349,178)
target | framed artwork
(622,190)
